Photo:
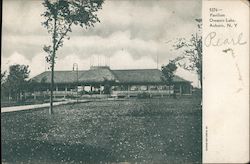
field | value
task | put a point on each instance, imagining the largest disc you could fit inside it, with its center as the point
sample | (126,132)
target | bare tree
(191,58)
(60,16)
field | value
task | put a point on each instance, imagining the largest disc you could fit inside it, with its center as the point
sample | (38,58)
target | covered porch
(68,90)
(133,90)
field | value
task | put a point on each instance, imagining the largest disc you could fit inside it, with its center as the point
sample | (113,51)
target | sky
(131,35)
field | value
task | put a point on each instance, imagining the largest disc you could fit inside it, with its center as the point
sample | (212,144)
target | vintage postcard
(125,81)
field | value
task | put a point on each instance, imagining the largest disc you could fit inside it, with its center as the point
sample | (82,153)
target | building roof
(87,76)
(139,76)
(59,76)
(99,75)
(179,79)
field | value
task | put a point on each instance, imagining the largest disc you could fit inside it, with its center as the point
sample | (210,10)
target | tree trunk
(51,88)
(52,67)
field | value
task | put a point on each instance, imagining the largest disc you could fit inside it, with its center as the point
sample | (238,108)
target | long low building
(103,80)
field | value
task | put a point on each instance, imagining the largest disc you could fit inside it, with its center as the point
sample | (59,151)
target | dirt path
(36,106)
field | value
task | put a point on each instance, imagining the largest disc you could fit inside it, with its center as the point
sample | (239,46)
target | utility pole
(76,65)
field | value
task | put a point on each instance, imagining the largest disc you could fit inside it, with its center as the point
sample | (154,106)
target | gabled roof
(88,76)
(143,76)
(59,76)
(139,76)
(99,75)
(179,79)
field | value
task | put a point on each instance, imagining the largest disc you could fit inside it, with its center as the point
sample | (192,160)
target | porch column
(56,92)
(148,89)
(20,96)
(83,89)
(180,89)
(100,89)
(66,89)
(128,91)
(129,87)
(44,94)
(35,95)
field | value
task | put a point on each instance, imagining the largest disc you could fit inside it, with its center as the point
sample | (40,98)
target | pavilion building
(103,80)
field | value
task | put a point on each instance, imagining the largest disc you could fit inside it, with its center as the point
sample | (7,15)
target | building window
(152,88)
(144,88)
(87,88)
(165,87)
(134,88)
(123,88)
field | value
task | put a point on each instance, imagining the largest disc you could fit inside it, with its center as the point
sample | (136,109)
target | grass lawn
(136,130)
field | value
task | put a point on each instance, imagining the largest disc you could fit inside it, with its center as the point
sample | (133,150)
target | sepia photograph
(101,81)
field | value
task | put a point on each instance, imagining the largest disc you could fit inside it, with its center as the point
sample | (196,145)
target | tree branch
(63,35)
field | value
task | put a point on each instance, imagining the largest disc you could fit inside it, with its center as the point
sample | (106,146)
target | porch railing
(135,93)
